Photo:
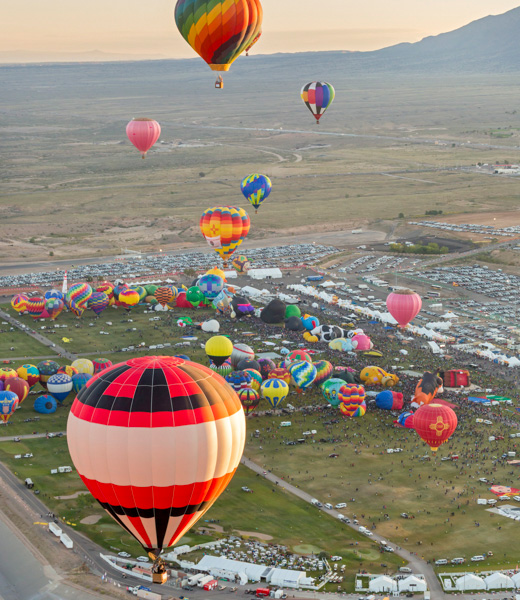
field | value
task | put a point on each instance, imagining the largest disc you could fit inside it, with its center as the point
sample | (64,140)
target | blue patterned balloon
(59,386)
(211,285)
(45,405)
(275,391)
(256,188)
(303,374)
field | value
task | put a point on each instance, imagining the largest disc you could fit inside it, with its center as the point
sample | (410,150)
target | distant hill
(490,43)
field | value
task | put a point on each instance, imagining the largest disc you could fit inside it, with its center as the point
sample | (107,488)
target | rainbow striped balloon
(219,30)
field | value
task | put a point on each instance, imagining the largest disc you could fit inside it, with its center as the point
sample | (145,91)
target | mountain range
(488,45)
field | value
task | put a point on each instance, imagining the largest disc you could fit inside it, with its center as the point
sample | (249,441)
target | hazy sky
(147,28)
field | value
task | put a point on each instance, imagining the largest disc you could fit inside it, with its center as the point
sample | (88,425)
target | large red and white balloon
(156,440)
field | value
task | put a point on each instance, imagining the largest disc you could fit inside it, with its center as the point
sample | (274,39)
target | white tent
(382,584)
(265,274)
(516,580)
(499,581)
(470,582)
(412,584)
(434,347)
(286,578)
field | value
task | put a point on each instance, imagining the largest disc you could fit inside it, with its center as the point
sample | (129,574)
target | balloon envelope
(143,133)
(404,306)
(156,440)
(435,424)
(318,96)
(256,188)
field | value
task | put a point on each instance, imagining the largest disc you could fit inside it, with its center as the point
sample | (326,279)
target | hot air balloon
(256,378)
(223,370)
(241,352)
(45,405)
(19,303)
(280,373)
(164,295)
(256,188)
(220,30)
(7,373)
(330,390)
(239,380)
(318,96)
(156,440)
(195,296)
(404,306)
(352,400)
(249,398)
(84,365)
(98,302)
(79,294)
(275,391)
(219,349)
(47,368)
(53,294)
(19,386)
(76,310)
(100,364)
(107,288)
(29,373)
(59,386)
(79,380)
(241,264)
(68,370)
(253,43)
(266,366)
(35,307)
(435,424)
(297,355)
(324,371)
(303,374)
(8,404)
(143,133)
(128,298)
(54,307)
(405,420)
(211,286)
(389,400)
(224,229)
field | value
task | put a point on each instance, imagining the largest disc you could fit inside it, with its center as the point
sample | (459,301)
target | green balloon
(194,296)
(292,311)
(330,390)
(151,289)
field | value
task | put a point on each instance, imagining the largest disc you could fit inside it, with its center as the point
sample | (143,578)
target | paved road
(39,337)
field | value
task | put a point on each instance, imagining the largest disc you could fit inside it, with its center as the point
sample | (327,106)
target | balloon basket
(160,578)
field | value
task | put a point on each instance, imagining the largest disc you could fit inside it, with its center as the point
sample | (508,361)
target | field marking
(409,178)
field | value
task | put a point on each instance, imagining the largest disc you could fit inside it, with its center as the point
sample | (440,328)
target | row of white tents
(495,581)
(385,584)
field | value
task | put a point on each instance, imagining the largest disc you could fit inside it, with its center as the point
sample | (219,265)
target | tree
(401,216)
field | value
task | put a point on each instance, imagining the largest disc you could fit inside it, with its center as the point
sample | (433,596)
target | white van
(341,505)
(405,569)
(478,558)
(458,561)
(285,424)
(328,506)
(441,561)
(492,501)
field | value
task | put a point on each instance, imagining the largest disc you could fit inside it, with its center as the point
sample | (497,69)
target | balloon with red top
(404,306)
(156,440)
(435,424)
(143,133)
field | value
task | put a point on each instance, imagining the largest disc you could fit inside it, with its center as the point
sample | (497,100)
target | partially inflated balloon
(256,188)
(164,295)
(194,296)
(156,440)
(143,133)
(54,307)
(98,302)
(318,96)
(19,303)
(128,298)
(224,229)
(19,386)
(30,374)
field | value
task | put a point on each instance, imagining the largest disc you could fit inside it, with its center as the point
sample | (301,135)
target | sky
(49,29)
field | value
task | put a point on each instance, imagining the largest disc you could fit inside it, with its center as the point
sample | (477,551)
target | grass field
(67,155)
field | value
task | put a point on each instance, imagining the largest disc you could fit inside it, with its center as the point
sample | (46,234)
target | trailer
(194,579)
(66,541)
(206,579)
(148,595)
(210,585)
(29,483)
(54,529)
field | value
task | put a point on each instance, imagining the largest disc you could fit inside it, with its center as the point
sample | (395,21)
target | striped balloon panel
(318,97)
(215,29)
(156,441)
